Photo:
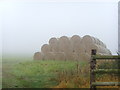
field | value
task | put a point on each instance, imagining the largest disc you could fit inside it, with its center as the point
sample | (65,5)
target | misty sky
(27,26)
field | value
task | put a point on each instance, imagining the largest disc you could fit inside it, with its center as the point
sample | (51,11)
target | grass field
(26,73)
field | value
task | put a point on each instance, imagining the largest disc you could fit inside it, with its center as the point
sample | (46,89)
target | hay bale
(76,44)
(92,40)
(75,39)
(45,48)
(64,43)
(53,43)
(98,42)
(93,43)
(75,56)
(49,56)
(100,50)
(37,56)
(87,39)
(53,40)
(84,57)
(65,46)
(60,56)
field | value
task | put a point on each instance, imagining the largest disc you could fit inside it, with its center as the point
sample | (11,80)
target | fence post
(92,67)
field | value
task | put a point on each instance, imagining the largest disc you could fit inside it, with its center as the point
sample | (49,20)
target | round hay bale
(87,39)
(53,43)
(75,39)
(100,50)
(45,48)
(75,56)
(69,56)
(94,43)
(90,39)
(53,40)
(49,56)
(84,57)
(76,44)
(37,56)
(60,56)
(98,42)
(65,46)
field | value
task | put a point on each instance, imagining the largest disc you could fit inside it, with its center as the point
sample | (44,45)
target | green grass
(26,73)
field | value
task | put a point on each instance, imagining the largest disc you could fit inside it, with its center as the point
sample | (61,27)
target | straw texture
(49,56)
(65,46)
(45,48)
(76,44)
(37,56)
(60,56)
(90,43)
(53,43)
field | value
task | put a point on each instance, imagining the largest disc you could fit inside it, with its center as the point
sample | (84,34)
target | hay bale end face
(60,56)
(64,43)
(53,40)
(38,56)
(65,46)
(84,57)
(53,43)
(49,56)
(45,48)
(76,44)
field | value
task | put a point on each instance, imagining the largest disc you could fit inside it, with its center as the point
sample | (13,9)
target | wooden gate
(93,70)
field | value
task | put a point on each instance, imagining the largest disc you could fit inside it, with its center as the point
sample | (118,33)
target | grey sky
(27,26)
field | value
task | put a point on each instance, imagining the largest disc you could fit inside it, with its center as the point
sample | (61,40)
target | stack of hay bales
(74,48)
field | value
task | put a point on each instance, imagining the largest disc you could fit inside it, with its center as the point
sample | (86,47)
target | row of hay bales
(74,48)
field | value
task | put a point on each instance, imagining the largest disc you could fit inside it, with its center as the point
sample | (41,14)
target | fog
(26,26)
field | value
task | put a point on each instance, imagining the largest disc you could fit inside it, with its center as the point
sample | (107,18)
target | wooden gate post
(92,67)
